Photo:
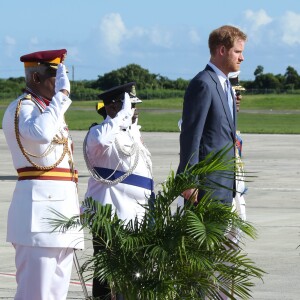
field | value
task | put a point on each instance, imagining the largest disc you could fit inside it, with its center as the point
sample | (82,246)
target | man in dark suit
(209,112)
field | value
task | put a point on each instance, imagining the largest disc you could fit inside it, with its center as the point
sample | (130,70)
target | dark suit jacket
(207,126)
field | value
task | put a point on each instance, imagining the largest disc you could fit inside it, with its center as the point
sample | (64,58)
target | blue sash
(132,179)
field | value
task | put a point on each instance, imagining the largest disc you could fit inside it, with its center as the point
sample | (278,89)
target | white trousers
(43,273)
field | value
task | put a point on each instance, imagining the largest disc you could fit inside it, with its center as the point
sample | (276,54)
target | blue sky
(166,37)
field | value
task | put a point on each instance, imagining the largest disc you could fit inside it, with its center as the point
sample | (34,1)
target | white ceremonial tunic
(108,146)
(32,199)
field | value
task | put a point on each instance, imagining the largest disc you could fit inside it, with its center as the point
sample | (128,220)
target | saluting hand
(127,104)
(62,82)
(126,112)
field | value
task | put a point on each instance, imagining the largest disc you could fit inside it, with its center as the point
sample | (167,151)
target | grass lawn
(259,114)
(271,102)
(269,123)
(167,121)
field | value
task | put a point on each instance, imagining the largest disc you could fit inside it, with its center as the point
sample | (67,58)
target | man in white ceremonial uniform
(118,161)
(41,150)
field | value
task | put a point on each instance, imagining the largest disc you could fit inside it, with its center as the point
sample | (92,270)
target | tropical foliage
(289,82)
(182,253)
(157,86)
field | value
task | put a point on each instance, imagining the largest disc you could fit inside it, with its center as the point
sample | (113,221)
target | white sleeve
(42,127)
(102,136)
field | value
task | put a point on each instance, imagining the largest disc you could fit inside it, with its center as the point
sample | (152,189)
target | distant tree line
(287,83)
(151,85)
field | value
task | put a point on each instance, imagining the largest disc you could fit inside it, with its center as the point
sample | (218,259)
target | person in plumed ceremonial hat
(41,149)
(119,163)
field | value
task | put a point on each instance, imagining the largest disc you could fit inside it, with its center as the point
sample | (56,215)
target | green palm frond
(61,222)
(180,253)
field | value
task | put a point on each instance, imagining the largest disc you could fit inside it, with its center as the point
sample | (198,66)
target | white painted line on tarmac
(7,274)
(274,189)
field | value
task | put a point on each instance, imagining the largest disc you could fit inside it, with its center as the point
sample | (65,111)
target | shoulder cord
(146,158)
(134,151)
(56,140)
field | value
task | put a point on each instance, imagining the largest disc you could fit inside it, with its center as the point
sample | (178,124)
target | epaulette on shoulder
(27,96)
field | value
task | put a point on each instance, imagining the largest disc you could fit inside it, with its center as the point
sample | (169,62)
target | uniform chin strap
(133,151)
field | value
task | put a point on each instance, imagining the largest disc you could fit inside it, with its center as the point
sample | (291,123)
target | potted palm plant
(181,253)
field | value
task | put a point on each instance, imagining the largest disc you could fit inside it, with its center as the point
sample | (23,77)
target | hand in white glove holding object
(126,112)
(62,82)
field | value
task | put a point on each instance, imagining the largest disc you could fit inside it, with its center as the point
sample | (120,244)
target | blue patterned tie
(229,97)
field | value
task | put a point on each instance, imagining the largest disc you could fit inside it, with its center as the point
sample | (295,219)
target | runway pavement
(273,207)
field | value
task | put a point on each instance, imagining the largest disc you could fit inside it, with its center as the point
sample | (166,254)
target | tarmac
(272,202)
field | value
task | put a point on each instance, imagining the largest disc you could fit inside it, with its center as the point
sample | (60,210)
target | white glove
(127,104)
(62,81)
(126,112)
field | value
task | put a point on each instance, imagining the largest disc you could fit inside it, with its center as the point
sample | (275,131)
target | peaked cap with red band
(50,58)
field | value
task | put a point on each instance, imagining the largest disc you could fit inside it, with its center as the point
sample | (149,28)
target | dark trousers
(101,290)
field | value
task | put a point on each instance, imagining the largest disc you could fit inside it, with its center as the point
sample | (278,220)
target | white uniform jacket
(109,148)
(32,198)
